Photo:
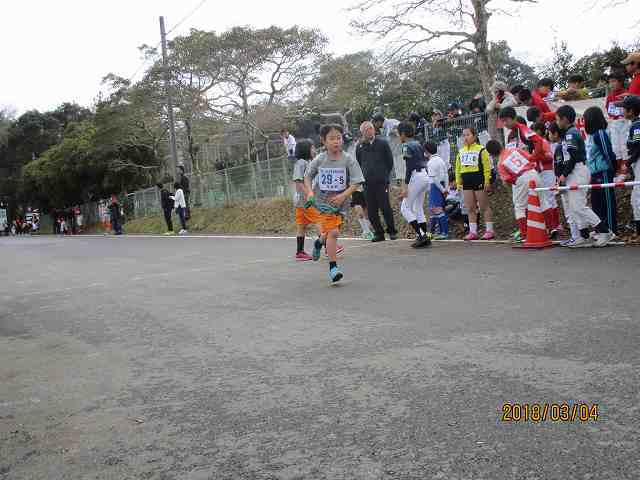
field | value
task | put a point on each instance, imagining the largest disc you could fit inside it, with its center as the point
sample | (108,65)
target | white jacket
(438,173)
(178,199)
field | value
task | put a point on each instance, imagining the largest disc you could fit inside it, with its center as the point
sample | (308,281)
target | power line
(197,7)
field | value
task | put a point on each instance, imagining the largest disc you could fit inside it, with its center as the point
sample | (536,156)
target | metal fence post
(285,176)
(255,182)
(226,183)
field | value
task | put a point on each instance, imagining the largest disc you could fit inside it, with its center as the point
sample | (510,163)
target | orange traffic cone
(537,236)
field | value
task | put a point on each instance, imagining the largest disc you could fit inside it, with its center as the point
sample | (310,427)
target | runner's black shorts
(473,181)
(357,198)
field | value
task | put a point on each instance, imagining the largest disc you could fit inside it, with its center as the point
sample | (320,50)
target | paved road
(199,358)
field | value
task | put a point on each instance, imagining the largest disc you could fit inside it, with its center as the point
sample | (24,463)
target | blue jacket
(413,155)
(600,154)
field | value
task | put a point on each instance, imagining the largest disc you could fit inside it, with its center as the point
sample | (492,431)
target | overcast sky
(58,50)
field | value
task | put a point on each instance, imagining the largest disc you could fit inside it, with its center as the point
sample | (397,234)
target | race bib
(565,153)
(615,111)
(332,179)
(515,163)
(469,159)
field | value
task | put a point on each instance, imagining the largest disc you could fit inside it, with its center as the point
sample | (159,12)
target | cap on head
(378,117)
(453,106)
(632,58)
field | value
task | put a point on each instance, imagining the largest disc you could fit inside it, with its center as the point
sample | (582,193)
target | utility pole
(167,86)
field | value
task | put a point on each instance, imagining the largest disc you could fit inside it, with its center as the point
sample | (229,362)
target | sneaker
(421,242)
(168,233)
(377,238)
(487,236)
(601,239)
(366,235)
(441,237)
(303,257)
(566,243)
(339,250)
(182,232)
(317,250)
(393,236)
(580,243)
(471,236)
(335,274)
(554,234)
(517,237)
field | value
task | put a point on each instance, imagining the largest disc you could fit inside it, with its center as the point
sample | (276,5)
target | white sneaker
(601,239)
(580,243)
(182,232)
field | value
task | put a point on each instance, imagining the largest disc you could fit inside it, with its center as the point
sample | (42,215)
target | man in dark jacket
(376,161)
(167,206)
(116,217)
(184,184)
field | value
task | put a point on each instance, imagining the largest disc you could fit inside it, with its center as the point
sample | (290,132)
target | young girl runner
(415,185)
(473,176)
(304,153)
(338,176)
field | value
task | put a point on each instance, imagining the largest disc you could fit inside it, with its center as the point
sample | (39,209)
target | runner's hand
(337,200)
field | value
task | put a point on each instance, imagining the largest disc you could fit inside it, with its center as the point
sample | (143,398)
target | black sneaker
(393,236)
(421,242)
(378,238)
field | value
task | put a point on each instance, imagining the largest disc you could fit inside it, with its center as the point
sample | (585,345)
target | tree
(428,29)
(593,66)
(560,67)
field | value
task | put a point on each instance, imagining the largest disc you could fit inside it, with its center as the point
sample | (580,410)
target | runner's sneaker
(335,274)
(471,236)
(168,233)
(367,235)
(580,243)
(440,237)
(182,232)
(303,257)
(487,236)
(601,239)
(566,243)
(317,250)
(517,237)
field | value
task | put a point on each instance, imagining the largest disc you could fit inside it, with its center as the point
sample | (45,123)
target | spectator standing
(618,126)
(574,171)
(502,97)
(184,184)
(632,65)
(289,143)
(114,213)
(180,205)
(631,107)
(601,161)
(167,206)
(439,189)
(376,161)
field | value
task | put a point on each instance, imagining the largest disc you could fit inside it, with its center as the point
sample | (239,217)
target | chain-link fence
(264,179)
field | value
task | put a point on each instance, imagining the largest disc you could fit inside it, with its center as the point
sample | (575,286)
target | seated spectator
(576,89)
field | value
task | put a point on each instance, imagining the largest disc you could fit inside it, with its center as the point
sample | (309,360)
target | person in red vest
(516,168)
(632,64)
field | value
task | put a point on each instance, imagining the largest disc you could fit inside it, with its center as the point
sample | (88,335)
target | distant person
(632,66)
(502,97)
(575,89)
(305,152)
(631,108)
(184,184)
(477,104)
(439,180)
(180,204)
(289,143)
(376,161)
(114,213)
(618,125)
(535,99)
(167,207)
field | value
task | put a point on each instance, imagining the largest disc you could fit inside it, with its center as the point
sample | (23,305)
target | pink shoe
(339,250)
(471,236)
(303,257)
(487,236)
